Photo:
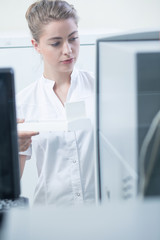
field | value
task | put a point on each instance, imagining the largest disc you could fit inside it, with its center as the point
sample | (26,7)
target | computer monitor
(127,98)
(9,162)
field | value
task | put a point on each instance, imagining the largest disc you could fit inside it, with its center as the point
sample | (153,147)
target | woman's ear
(35,45)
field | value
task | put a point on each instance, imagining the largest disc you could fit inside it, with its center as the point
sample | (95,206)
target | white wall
(97,14)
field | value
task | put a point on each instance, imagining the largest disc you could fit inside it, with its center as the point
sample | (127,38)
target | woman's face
(59,46)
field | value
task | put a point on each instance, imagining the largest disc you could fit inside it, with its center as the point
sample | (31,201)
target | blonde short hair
(43,12)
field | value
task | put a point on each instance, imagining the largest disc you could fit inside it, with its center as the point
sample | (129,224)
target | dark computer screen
(9,162)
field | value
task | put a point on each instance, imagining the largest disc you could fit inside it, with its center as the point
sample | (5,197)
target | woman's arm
(24,141)
(22,161)
(24,138)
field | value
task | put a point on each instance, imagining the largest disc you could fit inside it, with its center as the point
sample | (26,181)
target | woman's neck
(59,78)
(61,86)
(61,90)
(62,83)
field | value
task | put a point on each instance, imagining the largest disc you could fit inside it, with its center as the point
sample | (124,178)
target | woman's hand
(24,138)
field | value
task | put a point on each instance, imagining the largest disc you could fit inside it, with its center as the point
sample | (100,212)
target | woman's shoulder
(27,93)
(86,74)
(86,79)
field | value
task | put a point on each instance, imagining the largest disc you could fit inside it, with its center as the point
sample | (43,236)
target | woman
(64,159)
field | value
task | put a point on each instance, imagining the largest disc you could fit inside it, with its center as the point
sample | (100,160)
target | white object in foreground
(52,126)
(76,120)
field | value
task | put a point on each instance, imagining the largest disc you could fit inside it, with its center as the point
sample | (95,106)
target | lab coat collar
(50,83)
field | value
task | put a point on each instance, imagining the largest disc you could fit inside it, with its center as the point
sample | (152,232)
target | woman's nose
(67,48)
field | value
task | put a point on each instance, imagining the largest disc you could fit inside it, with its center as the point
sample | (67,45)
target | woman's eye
(73,39)
(55,44)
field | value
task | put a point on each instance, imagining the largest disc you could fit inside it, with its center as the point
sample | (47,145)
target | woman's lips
(67,61)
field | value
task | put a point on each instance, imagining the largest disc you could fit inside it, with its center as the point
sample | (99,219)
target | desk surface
(126,221)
